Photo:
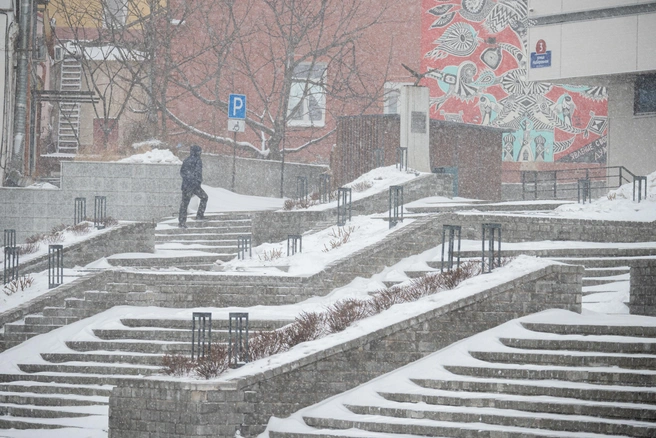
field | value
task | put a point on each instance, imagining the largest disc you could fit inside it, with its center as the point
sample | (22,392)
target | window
(393,97)
(645,95)
(116,12)
(307,97)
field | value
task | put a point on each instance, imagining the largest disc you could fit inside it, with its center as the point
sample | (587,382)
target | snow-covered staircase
(196,247)
(70,387)
(576,376)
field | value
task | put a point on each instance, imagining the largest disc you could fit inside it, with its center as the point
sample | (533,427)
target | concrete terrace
(70,362)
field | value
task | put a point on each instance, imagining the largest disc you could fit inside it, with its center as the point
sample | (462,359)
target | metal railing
(563,183)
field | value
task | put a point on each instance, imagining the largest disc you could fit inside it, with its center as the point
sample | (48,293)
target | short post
(343,205)
(584,190)
(294,244)
(493,234)
(80,210)
(402,158)
(395,205)
(449,235)
(10,238)
(302,188)
(201,334)
(238,339)
(55,265)
(639,182)
(10,272)
(243,245)
(324,188)
(100,212)
(379,157)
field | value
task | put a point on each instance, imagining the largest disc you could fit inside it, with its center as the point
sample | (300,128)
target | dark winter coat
(192,170)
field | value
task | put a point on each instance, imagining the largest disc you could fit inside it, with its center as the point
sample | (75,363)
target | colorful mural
(476,68)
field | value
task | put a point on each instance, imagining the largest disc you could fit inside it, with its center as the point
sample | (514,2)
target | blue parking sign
(237,106)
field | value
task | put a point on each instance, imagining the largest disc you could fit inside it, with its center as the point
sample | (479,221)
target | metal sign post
(236,123)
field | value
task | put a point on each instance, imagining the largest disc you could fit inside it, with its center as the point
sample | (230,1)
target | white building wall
(607,52)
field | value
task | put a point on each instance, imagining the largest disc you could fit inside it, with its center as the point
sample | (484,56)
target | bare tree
(295,60)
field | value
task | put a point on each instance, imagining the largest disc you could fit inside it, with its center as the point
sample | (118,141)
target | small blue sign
(237,106)
(541,60)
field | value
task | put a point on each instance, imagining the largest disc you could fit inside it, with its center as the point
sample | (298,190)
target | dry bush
(18,285)
(177,365)
(315,196)
(307,326)
(384,299)
(362,186)
(35,238)
(81,228)
(110,222)
(28,248)
(273,254)
(54,238)
(214,363)
(339,237)
(58,229)
(344,313)
(289,204)
(265,344)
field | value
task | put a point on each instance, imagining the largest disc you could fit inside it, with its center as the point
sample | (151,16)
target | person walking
(192,175)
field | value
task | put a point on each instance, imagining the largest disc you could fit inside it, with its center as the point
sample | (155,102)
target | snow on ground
(155,156)
(618,205)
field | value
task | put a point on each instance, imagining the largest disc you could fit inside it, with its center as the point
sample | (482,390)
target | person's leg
(200,214)
(184,204)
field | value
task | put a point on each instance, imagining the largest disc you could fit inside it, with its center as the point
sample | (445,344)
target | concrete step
(177,335)
(131,347)
(62,312)
(89,368)
(53,388)
(54,321)
(20,328)
(535,389)
(568,359)
(25,398)
(596,281)
(33,411)
(132,359)
(622,347)
(606,272)
(588,375)
(543,404)
(587,330)
(72,378)
(238,229)
(499,417)
(221,324)
(226,238)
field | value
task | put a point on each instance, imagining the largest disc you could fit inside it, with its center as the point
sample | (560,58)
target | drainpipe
(6,92)
(15,175)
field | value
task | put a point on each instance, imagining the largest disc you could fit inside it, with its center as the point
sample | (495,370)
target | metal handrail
(555,179)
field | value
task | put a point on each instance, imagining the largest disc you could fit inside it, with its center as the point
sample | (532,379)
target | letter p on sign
(237,106)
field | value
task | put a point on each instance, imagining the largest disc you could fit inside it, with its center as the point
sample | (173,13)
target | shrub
(28,248)
(18,285)
(339,237)
(273,254)
(362,186)
(176,365)
(81,228)
(344,313)
(214,363)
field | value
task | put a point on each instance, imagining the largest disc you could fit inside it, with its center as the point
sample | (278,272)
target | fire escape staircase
(69,111)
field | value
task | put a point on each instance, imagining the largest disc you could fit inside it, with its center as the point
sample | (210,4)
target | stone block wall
(138,192)
(275,226)
(643,287)
(527,228)
(152,408)
(124,238)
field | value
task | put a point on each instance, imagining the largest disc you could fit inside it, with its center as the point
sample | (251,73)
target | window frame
(644,82)
(301,90)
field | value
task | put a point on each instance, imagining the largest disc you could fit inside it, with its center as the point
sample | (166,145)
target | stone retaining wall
(137,191)
(643,287)
(152,408)
(275,226)
(529,229)
(123,238)
(53,298)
